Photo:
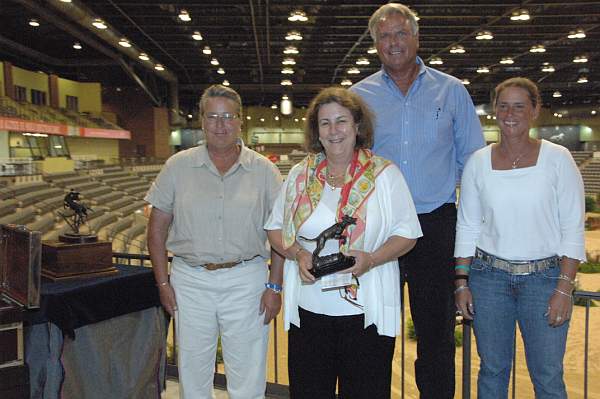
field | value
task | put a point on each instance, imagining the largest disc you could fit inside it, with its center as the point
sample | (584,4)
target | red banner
(104,133)
(22,125)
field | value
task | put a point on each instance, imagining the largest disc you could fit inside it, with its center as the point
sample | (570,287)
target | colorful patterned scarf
(306,184)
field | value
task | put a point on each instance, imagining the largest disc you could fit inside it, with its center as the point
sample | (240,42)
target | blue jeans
(500,299)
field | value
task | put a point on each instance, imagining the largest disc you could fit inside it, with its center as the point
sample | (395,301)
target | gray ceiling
(248,38)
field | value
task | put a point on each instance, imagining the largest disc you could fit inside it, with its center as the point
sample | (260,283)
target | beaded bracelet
(464,267)
(276,288)
(568,279)
(162,284)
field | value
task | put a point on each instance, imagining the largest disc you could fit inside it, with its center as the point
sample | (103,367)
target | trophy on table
(328,264)
(76,254)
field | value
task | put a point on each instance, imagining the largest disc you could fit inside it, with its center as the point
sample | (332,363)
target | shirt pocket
(438,126)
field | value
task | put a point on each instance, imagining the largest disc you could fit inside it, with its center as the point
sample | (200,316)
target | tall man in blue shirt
(426,123)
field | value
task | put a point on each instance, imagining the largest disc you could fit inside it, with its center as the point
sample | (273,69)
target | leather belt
(226,265)
(517,266)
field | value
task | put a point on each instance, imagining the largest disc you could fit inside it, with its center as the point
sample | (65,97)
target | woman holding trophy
(342,209)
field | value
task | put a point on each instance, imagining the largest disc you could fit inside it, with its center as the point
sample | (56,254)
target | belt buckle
(522,263)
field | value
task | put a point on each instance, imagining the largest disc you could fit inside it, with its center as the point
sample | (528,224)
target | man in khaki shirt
(209,207)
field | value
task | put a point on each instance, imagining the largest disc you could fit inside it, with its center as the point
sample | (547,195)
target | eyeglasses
(225,116)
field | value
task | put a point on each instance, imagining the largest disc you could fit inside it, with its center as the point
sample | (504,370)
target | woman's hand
(167,298)
(304,260)
(560,307)
(363,263)
(464,303)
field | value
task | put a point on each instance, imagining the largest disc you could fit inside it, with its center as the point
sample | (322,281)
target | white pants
(224,302)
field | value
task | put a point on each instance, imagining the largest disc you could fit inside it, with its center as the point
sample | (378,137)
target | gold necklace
(332,179)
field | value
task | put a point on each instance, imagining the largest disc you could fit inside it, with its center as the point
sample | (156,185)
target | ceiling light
(276,118)
(484,35)
(436,61)
(159,67)
(290,50)
(34,22)
(303,118)
(65,1)
(77,46)
(262,119)
(593,112)
(274,106)
(296,120)
(144,57)
(297,16)
(225,82)
(98,23)
(465,82)
(190,116)
(576,34)
(520,15)
(287,71)
(184,16)
(285,97)
(582,79)
(457,49)
(580,59)
(556,94)
(293,35)
(346,82)
(206,50)
(507,61)
(548,68)
(288,61)
(483,69)
(353,71)
(197,36)
(362,61)
(214,61)
(249,117)
(538,48)
(221,71)
(286,82)
(124,42)
(372,50)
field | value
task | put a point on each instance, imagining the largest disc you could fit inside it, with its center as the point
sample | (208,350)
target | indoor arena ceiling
(248,39)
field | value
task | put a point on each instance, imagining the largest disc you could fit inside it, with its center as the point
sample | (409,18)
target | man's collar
(419,62)
(202,158)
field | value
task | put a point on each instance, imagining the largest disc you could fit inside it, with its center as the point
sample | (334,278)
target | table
(102,337)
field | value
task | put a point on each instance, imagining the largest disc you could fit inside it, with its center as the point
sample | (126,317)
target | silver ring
(558,318)
(459,312)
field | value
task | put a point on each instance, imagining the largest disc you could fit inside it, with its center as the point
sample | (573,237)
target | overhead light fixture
(293,35)
(538,48)
(124,42)
(276,118)
(436,61)
(288,61)
(582,79)
(290,50)
(77,46)
(287,71)
(576,34)
(593,112)
(297,16)
(556,94)
(274,106)
(465,82)
(362,61)
(221,71)
(225,82)
(262,119)
(159,67)
(483,69)
(65,1)
(547,67)
(484,35)
(372,50)
(458,49)
(184,16)
(197,36)
(520,15)
(248,117)
(99,23)
(206,50)
(214,61)
(507,61)
(346,82)
(580,59)
(286,82)
(144,57)
(190,116)
(353,71)
(296,120)
(34,22)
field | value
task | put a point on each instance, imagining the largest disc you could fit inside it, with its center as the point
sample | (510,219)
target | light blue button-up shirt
(429,133)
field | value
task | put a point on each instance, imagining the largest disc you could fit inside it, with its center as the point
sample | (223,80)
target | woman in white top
(342,327)
(519,241)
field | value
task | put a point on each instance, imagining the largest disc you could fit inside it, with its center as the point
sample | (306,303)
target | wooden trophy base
(66,260)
